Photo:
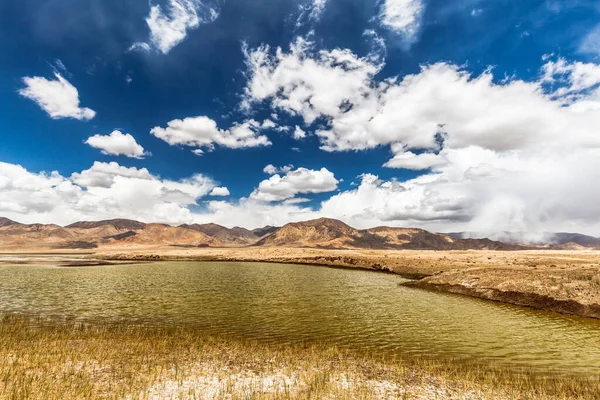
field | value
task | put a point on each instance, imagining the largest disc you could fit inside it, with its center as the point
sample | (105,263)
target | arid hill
(92,234)
(554,240)
(7,222)
(321,233)
(334,234)
(235,235)
(265,230)
(119,224)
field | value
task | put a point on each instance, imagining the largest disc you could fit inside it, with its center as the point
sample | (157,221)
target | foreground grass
(42,360)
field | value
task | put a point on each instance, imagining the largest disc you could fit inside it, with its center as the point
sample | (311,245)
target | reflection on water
(300,303)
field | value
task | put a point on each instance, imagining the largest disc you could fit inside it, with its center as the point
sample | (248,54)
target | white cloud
(311,12)
(117,144)
(571,81)
(307,83)
(268,124)
(476,133)
(294,182)
(203,132)
(59,98)
(60,65)
(402,16)
(272,170)
(141,47)
(103,174)
(253,214)
(410,160)
(106,190)
(220,191)
(591,43)
(168,29)
(299,133)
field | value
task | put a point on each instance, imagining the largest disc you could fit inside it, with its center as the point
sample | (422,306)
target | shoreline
(511,287)
(566,282)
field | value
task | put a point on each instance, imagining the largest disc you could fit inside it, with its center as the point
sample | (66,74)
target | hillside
(233,236)
(265,230)
(119,224)
(557,240)
(321,233)
(330,233)
(7,222)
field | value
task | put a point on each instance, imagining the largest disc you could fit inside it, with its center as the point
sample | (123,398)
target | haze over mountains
(319,233)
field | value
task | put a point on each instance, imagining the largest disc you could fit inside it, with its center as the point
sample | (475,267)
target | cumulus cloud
(410,160)
(306,82)
(203,132)
(220,191)
(402,16)
(301,180)
(117,144)
(299,133)
(103,174)
(169,28)
(254,214)
(58,97)
(474,133)
(106,190)
(268,124)
(272,170)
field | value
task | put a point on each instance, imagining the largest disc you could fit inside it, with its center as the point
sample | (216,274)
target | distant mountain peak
(235,235)
(7,222)
(119,224)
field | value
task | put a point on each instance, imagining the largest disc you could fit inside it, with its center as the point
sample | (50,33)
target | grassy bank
(44,360)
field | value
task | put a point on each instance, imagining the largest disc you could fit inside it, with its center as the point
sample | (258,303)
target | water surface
(291,303)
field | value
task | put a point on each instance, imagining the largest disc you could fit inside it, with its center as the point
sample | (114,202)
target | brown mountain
(319,233)
(118,224)
(7,222)
(331,233)
(161,234)
(323,232)
(233,236)
(91,234)
(265,230)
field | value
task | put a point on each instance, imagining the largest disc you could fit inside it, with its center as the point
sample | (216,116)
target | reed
(41,359)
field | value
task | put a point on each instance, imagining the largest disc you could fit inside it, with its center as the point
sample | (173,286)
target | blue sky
(447,115)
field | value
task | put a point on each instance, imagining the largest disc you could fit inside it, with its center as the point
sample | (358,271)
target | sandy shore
(561,281)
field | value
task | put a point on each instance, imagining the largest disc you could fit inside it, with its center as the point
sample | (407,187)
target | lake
(294,303)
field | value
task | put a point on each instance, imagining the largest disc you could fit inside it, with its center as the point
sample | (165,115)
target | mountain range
(555,240)
(320,233)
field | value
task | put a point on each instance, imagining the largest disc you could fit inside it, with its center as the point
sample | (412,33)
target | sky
(460,115)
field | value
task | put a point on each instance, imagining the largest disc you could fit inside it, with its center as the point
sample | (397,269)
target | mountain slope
(233,236)
(265,230)
(558,240)
(319,233)
(7,222)
(323,232)
(118,224)
(330,233)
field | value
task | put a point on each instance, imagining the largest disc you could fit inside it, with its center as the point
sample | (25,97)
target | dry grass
(45,360)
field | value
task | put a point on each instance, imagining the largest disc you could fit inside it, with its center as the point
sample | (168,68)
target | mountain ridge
(325,233)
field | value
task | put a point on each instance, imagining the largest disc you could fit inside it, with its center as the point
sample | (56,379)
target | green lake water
(292,303)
